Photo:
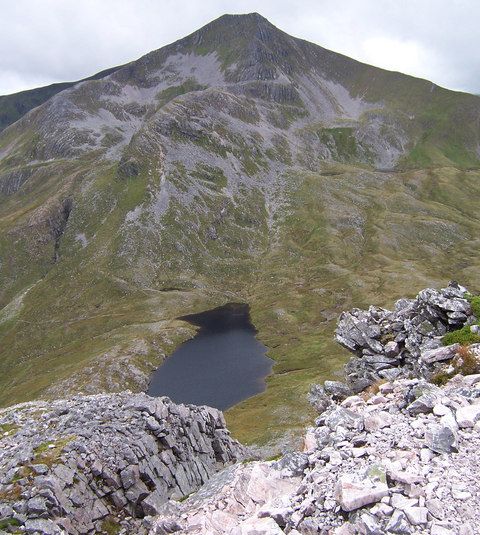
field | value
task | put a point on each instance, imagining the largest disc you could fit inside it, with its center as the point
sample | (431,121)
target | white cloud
(395,54)
(56,40)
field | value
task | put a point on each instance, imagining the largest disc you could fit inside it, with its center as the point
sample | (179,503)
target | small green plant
(475,302)
(23,472)
(465,362)
(110,526)
(49,452)
(275,457)
(8,522)
(8,428)
(462,336)
(441,378)
(388,337)
(11,494)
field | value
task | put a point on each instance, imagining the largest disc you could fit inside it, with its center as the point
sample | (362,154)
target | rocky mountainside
(237,164)
(16,105)
(387,464)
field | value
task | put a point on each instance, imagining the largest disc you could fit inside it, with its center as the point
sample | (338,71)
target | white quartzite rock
(468,415)
(351,494)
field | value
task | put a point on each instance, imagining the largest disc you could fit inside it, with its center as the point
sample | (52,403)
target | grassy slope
(320,269)
(351,237)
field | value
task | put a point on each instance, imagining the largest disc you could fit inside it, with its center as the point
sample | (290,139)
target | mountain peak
(230,27)
(239,19)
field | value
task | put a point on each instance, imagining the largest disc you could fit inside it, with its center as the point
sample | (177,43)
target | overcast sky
(46,41)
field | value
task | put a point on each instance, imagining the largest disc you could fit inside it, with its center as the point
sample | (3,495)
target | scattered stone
(441,353)
(399,524)
(416,515)
(440,439)
(467,416)
(344,418)
(337,390)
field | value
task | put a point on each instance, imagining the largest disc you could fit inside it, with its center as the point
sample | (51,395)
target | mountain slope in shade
(238,163)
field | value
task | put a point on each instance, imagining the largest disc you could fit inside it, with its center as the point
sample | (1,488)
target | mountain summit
(236,164)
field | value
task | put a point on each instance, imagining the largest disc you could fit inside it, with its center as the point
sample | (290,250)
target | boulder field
(403,461)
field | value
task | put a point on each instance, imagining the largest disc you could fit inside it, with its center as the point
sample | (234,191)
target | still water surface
(220,366)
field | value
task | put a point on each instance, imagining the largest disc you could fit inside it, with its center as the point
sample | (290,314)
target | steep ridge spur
(84,464)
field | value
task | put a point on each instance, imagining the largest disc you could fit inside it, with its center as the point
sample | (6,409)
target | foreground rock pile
(95,463)
(405,461)
(405,341)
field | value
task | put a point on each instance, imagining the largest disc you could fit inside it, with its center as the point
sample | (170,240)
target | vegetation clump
(465,335)
(49,452)
(462,336)
(465,362)
(8,428)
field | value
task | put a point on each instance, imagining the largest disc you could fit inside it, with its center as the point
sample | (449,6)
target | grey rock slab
(440,439)
(5,511)
(440,354)
(378,420)
(416,515)
(344,418)
(423,404)
(152,504)
(129,476)
(467,416)
(371,525)
(43,526)
(337,390)
(435,508)
(399,524)
(36,506)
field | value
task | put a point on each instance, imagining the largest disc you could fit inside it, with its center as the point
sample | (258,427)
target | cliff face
(83,464)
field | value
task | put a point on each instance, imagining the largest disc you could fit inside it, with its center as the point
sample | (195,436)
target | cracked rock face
(75,464)
(403,342)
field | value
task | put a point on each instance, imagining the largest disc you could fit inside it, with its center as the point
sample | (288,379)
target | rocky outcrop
(403,342)
(400,462)
(82,464)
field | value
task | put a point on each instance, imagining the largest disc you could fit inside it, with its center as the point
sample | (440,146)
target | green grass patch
(49,452)
(475,302)
(9,523)
(8,428)
(111,526)
(462,336)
